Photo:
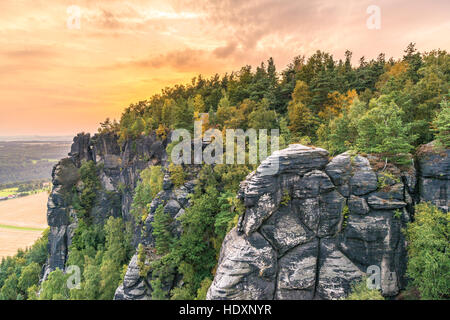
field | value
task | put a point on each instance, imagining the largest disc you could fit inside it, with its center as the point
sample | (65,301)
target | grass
(48,160)
(7,192)
(20,228)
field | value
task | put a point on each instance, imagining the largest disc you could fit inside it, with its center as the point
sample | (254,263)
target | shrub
(203,290)
(285,198)
(345,213)
(429,252)
(177,175)
(360,291)
(441,125)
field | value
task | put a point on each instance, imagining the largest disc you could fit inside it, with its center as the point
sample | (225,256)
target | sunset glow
(58,80)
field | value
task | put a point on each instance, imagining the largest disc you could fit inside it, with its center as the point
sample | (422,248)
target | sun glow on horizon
(58,81)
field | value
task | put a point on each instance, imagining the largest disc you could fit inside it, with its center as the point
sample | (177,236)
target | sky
(66,65)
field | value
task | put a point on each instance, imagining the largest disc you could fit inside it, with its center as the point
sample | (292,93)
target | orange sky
(55,80)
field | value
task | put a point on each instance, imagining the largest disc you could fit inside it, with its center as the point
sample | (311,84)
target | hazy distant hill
(37,138)
(23,161)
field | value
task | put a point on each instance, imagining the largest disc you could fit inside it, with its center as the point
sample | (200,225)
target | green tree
(9,290)
(301,120)
(177,175)
(442,124)
(224,111)
(29,277)
(381,129)
(183,115)
(162,230)
(90,286)
(85,201)
(55,287)
(203,290)
(168,112)
(146,190)
(117,253)
(429,252)
(262,117)
(341,133)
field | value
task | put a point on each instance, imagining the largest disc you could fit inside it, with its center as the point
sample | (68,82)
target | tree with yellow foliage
(336,104)
(301,119)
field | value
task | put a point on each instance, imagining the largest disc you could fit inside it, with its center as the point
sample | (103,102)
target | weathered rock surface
(116,166)
(247,268)
(174,202)
(434,175)
(293,242)
(134,286)
(315,251)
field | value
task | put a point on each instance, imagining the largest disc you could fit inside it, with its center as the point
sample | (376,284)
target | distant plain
(22,222)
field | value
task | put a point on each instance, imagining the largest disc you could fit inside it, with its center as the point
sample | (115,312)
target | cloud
(128,50)
(29,53)
(225,51)
(183,60)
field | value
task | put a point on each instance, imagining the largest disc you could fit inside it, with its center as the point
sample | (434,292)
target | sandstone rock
(363,181)
(247,269)
(436,191)
(285,230)
(317,254)
(81,149)
(65,174)
(116,167)
(297,273)
(434,162)
(339,169)
(133,286)
(336,272)
(292,242)
(377,203)
(434,175)
(357,205)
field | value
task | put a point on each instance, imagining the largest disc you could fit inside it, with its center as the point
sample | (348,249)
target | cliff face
(118,174)
(307,233)
(316,226)
(135,285)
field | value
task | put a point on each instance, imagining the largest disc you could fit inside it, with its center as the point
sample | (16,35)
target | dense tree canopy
(328,102)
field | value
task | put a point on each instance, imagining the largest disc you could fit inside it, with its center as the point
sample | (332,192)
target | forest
(381,106)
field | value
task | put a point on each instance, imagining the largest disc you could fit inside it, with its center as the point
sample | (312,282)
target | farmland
(22,222)
(26,161)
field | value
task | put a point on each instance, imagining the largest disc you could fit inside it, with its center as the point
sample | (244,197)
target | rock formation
(308,231)
(316,226)
(118,174)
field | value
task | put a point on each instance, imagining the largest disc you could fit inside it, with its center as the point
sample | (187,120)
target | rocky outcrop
(313,228)
(118,171)
(174,201)
(308,232)
(434,175)
(134,287)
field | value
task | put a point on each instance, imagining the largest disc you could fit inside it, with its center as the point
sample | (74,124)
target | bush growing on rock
(360,291)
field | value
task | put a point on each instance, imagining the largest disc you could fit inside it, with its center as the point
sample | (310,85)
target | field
(22,222)
(7,192)
(25,161)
